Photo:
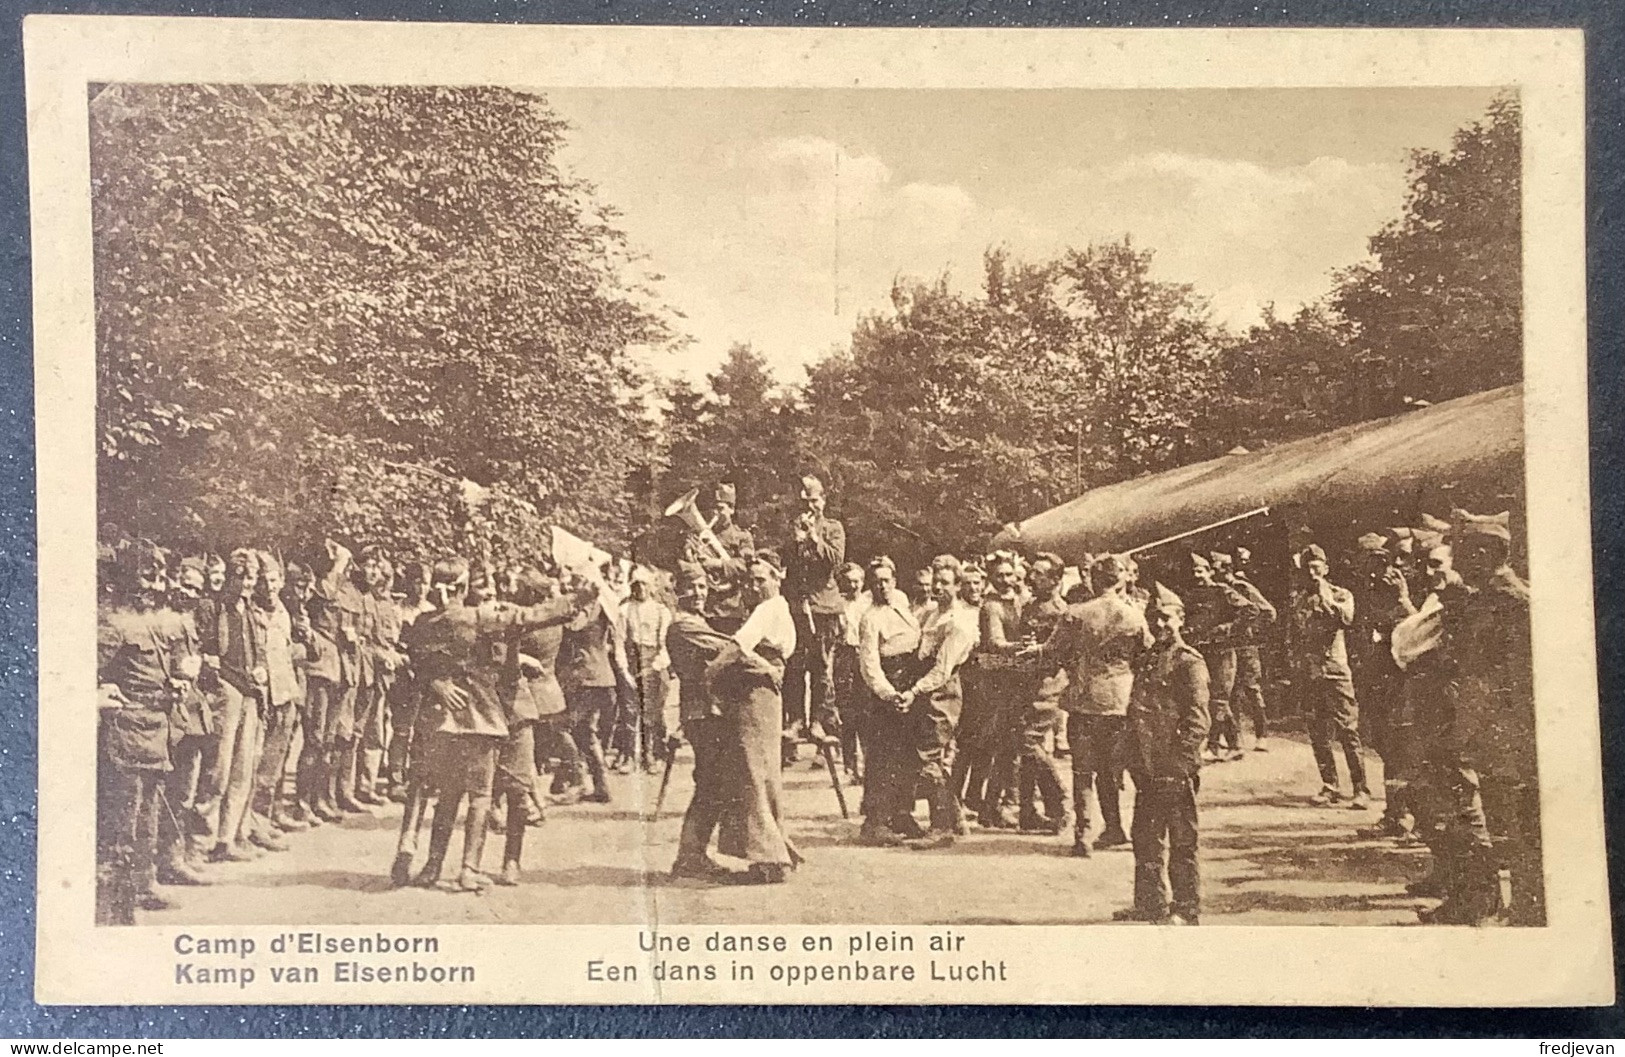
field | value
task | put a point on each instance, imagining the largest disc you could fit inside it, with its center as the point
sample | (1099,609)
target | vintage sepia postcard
(548,514)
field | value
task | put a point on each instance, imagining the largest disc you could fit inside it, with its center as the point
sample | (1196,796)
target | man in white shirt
(931,704)
(888,638)
(646,621)
(849,692)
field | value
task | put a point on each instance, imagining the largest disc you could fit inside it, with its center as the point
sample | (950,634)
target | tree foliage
(301,286)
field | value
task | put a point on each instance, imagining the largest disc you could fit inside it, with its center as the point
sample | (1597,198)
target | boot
(474,830)
(366,791)
(513,842)
(322,802)
(346,760)
(400,871)
(445,820)
(175,870)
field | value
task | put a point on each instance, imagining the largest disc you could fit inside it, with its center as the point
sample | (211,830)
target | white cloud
(757,255)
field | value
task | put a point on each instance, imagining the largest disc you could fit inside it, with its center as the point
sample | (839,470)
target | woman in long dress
(748,679)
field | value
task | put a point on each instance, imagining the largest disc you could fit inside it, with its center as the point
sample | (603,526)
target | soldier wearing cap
(693,643)
(1220,616)
(379,628)
(1487,760)
(997,688)
(456,649)
(1247,689)
(1381,600)
(1325,613)
(726,592)
(1167,724)
(1096,642)
(147,662)
(816,550)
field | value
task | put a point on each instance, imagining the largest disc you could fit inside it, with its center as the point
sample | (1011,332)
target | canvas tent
(1463,452)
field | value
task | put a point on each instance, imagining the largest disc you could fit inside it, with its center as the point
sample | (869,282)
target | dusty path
(1267,858)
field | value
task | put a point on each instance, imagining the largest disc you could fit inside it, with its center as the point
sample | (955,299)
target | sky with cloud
(777,217)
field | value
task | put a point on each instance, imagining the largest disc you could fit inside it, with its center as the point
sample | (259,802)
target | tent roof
(1469,446)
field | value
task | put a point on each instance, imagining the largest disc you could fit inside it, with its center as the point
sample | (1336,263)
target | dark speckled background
(1604,21)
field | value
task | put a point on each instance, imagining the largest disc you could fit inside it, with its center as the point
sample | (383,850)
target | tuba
(685,509)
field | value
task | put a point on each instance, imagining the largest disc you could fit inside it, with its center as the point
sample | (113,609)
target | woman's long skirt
(753,824)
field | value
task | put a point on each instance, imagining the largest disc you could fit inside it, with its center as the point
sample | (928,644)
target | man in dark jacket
(147,663)
(456,652)
(693,643)
(1168,724)
(817,549)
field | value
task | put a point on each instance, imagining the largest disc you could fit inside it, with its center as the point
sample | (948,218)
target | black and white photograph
(692,507)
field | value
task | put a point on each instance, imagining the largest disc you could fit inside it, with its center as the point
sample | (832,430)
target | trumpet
(685,509)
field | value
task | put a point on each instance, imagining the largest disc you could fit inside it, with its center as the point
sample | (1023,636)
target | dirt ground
(1267,857)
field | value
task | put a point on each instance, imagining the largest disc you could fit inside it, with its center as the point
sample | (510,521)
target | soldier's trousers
(1334,717)
(554,740)
(231,780)
(321,697)
(1165,839)
(1039,771)
(851,701)
(1098,758)
(1221,666)
(809,672)
(986,694)
(1381,705)
(711,790)
(128,807)
(1451,821)
(462,765)
(1247,699)
(193,758)
(402,701)
(653,686)
(585,704)
(281,721)
(1512,819)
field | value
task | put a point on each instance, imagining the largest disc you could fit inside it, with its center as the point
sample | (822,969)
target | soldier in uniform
(587,671)
(282,701)
(692,644)
(402,700)
(1381,600)
(1216,612)
(191,749)
(147,661)
(726,571)
(1487,762)
(334,608)
(1096,642)
(747,677)
(457,651)
(1247,688)
(1324,614)
(996,694)
(646,619)
(1168,723)
(817,549)
(1041,693)
(380,627)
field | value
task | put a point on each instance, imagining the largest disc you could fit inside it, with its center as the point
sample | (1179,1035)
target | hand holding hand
(454,696)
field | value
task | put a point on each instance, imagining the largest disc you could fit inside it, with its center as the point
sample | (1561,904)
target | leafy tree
(1437,311)
(292,276)
(741,428)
